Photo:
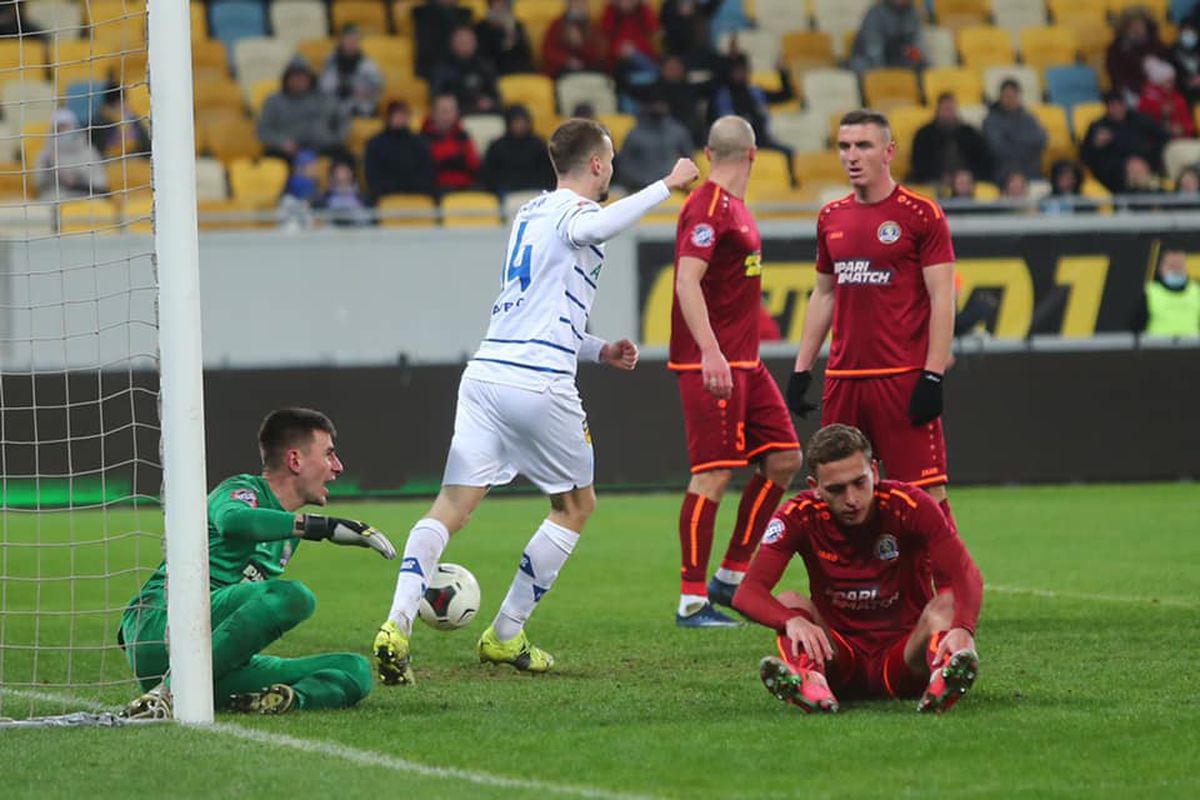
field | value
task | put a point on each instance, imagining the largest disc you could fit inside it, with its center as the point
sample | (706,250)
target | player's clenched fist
(344,531)
(622,354)
(685,172)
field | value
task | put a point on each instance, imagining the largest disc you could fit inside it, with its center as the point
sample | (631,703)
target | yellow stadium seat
(885,89)
(16,182)
(411,90)
(139,213)
(260,91)
(470,210)
(130,174)
(315,51)
(1083,115)
(407,211)
(199,12)
(402,21)
(779,204)
(1077,8)
(619,126)
(390,52)
(905,123)
(79,61)
(983,46)
(258,183)
(230,136)
(1058,133)
(22,59)
(535,92)
(137,97)
(814,170)
(770,171)
(805,50)
(369,15)
(702,164)
(212,93)
(94,215)
(1158,8)
(362,129)
(955,14)
(34,137)
(965,84)
(209,59)
(1048,46)
(1093,35)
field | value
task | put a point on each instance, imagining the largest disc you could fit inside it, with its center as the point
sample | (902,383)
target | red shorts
(859,673)
(725,434)
(879,408)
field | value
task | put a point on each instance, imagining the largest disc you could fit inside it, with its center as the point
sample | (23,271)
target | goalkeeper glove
(796,389)
(926,403)
(344,531)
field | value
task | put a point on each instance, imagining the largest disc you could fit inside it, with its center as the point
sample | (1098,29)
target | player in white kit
(518,407)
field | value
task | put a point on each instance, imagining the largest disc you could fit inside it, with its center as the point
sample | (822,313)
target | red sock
(759,501)
(696,521)
(945,506)
(931,650)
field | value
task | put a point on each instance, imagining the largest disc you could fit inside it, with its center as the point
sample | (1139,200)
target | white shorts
(501,431)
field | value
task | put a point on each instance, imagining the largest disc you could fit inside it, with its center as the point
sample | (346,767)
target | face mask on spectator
(1175,280)
(1188,39)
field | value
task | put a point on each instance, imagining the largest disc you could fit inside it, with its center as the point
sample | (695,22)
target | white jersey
(548,284)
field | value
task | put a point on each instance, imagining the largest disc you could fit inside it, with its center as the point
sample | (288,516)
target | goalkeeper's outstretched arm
(269,525)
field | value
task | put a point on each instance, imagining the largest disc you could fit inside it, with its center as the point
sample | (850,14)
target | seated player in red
(874,626)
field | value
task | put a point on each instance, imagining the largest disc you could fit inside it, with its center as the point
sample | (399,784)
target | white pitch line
(357,756)
(1170,602)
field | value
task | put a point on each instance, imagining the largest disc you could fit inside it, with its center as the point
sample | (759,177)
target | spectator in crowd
(687,32)
(573,43)
(455,162)
(1169,304)
(1014,191)
(630,26)
(69,165)
(300,116)
(889,36)
(1188,182)
(657,140)
(685,99)
(301,192)
(1185,54)
(1119,135)
(738,96)
(1140,178)
(351,76)
(518,160)
(433,23)
(14,21)
(398,161)
(343,201)
(117,129)
(1161,100)
(1136,38)
(1014,136)
(467,75)
(1066,186)
(958,184)
(502,39)
(946,144)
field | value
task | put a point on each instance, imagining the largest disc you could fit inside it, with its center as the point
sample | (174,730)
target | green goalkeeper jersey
(250,536)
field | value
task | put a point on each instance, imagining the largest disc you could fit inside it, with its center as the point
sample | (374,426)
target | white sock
(730,576)
(426,542)
(544,556)
(691,603)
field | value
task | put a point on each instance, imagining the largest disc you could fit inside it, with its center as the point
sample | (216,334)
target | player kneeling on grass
(253,532)
(874,626)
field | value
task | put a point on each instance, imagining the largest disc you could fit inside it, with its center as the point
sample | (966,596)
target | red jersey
(877,253)
(716,227)
(871,583)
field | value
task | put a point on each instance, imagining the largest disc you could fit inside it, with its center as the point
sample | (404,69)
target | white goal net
(81,526)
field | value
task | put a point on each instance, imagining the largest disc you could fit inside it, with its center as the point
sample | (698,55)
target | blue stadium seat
(231,20)
(1180,9)
(730,18)
(84,98)
(1069,86)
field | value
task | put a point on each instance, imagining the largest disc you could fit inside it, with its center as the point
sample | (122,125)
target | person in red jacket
(573,42)
(1162,101)
(455,161)
(631,27)
(894,596)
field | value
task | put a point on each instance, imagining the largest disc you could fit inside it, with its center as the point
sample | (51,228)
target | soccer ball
(451,599)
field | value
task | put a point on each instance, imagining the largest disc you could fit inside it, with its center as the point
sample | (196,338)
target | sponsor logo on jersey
(753,264)
(886,548)
(506,306)
(889,232)
(247,496)
(774,531)
(252,574)
(858,272)
(827,556)
(411,564)
(864,599)
(703,235)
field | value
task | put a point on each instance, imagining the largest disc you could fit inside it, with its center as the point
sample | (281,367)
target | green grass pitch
(1088,685)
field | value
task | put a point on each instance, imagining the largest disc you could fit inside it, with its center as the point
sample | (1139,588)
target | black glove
(796,389)
(344,531)
(926,403)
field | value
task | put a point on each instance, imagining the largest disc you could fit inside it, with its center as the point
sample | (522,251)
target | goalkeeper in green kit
(253,531)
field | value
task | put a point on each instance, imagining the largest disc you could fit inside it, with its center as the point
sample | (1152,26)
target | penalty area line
(1166,602)
(355,755)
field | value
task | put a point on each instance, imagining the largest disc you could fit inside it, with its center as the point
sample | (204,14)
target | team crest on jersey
(774,532)
(886,548)
(703,235)
(247,496)
(587,432)
(889,232)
